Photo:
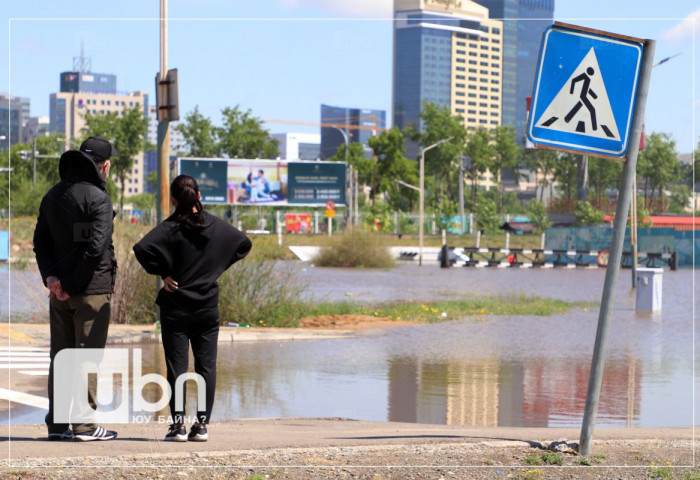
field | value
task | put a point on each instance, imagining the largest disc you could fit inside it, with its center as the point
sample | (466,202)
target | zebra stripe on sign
(26,360)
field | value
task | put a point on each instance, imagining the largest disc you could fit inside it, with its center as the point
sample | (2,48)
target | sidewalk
(333,442)
(37,334)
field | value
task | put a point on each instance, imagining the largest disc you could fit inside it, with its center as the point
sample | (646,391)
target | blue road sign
(585,89)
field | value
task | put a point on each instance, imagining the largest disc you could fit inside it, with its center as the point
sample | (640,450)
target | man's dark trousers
(82,321)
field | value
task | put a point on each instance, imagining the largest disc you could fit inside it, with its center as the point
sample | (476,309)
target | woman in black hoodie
(190,250)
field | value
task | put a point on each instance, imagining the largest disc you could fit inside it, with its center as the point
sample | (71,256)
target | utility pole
(163,146)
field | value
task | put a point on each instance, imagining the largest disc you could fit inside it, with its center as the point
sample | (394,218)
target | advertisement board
(266,182)
(298,222)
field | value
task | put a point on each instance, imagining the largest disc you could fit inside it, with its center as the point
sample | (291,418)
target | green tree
(542,162)
(603,174)
(506,155)
(49,150)
(486,213)
(480,154)
(243,135)
(439,124)
(658,166)
(143,201)
(392,165)
(537,211)
(200,135)
(565,170)
(127,132)
(364,166)
(679,199)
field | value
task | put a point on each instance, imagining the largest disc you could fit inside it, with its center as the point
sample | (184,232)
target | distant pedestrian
(74,252)
(190,250)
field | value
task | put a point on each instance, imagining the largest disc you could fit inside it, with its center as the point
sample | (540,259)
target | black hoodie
(195,258)
(73,234)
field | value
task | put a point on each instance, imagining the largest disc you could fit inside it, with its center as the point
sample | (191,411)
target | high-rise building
(177,140)
(450,55)
(35,127)
(14,113)
(88,82)
(67,117)
(523,24)
(359,124)
(298,146)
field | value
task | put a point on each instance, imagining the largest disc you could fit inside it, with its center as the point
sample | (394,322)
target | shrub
(134,295)
(356,247)
(586,215)
(261,293)
(552,458)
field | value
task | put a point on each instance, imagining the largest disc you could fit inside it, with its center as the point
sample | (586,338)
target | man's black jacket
(73,235)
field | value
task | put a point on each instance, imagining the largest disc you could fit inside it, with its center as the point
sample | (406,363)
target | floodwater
(482,371)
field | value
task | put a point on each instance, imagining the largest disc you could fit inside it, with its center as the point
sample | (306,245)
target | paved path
(37,334)
(144,440)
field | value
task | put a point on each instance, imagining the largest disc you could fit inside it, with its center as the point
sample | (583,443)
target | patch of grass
(661,472)
(533,460)
(552,458)
(583,461)
(256,477)
(430,312)
(599,457)
(488,461)
(357,248)
(691,476)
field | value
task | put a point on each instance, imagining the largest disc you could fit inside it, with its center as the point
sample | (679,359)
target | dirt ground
(620,460)
(349,322)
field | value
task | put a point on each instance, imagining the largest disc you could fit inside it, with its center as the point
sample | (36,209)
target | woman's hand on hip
(169,284)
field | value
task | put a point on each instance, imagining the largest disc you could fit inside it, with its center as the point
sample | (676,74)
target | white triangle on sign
(582,105)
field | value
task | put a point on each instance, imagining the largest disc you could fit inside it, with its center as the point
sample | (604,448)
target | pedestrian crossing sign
(585,89)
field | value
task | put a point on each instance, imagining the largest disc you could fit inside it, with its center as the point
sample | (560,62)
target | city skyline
(283,59)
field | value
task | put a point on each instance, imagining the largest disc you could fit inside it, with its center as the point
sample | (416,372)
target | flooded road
(482,371)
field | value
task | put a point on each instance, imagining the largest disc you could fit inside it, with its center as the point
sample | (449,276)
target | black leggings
(178,331)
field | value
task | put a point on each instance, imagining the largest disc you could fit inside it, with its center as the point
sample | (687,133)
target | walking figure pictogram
(585,78)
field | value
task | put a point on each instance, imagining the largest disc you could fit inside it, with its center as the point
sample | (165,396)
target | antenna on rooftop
(82,64)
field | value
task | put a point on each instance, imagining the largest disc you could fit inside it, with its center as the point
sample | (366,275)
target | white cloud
(684,29)
(361,8)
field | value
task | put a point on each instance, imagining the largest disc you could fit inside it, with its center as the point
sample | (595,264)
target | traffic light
(166,97)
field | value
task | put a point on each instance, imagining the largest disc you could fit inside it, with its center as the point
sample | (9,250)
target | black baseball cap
(98,148)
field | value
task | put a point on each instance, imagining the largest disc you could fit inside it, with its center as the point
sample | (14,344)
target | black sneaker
(67,435)
(98,433)
(176,433)
(198,433)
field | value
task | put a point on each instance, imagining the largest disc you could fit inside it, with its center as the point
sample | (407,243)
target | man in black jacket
(75,255)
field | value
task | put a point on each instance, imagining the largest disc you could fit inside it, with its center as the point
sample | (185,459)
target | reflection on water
(481,371)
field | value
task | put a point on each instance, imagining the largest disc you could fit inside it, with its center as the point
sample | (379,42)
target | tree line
(664,182)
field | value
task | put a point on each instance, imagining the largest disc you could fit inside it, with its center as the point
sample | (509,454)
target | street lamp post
(421,193)
(347,147)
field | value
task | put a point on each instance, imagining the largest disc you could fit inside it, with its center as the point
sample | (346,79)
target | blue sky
(283,58)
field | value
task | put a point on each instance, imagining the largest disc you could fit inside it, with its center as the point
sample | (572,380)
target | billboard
(266,182)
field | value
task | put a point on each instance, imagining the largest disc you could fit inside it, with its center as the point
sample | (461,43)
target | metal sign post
(590,94)
(611,274)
